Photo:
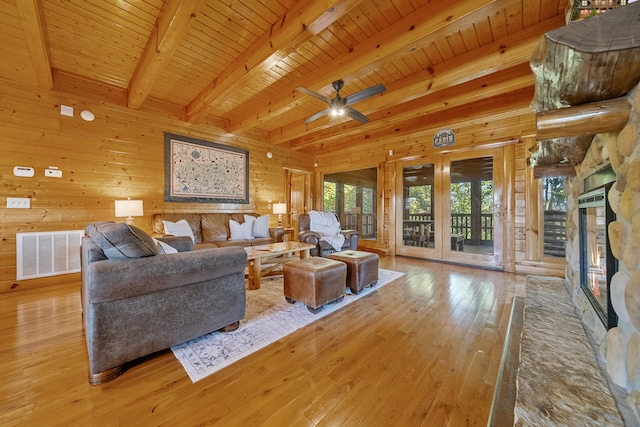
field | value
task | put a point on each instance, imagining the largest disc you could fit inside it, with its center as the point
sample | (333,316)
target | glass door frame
(442,211)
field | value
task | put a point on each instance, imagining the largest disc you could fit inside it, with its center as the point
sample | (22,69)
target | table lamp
(279,208)
(129,208)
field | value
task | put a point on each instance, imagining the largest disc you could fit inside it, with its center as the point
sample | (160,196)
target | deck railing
(555,233)
(366,229)
(462,224)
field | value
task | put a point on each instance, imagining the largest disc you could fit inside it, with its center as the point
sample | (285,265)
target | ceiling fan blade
(365,93)
(316,95)
(357,115)
(317,115)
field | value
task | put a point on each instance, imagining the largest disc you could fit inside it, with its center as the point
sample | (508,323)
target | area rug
(268,318)
(559,381)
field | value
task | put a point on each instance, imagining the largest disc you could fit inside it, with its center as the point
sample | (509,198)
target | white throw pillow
(240,231)
(260,227)
(179,228)
(165,248)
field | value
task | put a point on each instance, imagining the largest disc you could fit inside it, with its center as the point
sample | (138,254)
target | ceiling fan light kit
(339,106)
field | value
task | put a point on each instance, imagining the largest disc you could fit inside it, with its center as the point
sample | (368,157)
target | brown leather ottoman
(314,281)
(362,268)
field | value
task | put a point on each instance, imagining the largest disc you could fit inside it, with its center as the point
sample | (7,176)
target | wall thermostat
(23,171)
(53,172)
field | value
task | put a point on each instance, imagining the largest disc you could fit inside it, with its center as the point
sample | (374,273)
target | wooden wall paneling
(390,216)
(508,197)
(533,232)
(383,203)
(119,154)
(528,235)
(421,143)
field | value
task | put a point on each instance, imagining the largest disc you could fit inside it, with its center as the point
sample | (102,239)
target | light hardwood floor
(423,350)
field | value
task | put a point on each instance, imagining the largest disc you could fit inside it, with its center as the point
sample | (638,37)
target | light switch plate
(18,203)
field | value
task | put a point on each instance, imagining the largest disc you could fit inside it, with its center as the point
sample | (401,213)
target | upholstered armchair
(307,233)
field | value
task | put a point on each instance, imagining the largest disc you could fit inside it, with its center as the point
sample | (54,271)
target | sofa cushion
(232,243)
(240,231)
(122,241)
(260,226)
(165,248)
(215,227)
(179,228)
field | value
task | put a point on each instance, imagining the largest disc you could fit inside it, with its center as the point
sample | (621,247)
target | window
(554,202)
(352,196)
(329,196)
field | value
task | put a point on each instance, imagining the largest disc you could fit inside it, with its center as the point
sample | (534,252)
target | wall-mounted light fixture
(129,208)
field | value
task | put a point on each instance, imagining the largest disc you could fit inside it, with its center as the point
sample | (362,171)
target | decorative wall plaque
(444,138)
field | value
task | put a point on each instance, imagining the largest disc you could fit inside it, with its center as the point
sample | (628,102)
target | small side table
(288,235)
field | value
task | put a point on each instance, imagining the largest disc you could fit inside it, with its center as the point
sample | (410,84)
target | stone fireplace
(618,342)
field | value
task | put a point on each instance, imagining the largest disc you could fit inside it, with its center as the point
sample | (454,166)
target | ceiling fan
(339,106)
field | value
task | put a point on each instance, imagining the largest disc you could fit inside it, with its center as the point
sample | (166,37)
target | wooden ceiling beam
(479,63)
(469,138)
(417,29)
(172,25)
(486,116)
(35,31)
(510,80)
(297,26)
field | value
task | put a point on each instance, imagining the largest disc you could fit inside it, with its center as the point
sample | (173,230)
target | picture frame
(204,172)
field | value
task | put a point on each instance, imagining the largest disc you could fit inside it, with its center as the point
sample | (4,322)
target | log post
(585,119)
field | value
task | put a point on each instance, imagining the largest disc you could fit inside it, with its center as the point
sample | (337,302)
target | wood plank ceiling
(236,63)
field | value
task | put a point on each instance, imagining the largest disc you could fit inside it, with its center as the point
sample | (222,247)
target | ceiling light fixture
(337,112)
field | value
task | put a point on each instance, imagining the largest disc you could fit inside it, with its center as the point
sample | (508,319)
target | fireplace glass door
(597,264)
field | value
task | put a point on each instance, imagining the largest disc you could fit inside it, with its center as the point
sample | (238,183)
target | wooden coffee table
(274,254)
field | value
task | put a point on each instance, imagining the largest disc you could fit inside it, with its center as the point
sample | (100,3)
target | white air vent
(47,253)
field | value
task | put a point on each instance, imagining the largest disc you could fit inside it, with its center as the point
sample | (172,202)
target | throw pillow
(121,241)
(240,231)
(260,227)
(178,228)
(165,248)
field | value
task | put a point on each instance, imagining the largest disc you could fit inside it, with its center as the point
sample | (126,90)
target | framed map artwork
(202,171)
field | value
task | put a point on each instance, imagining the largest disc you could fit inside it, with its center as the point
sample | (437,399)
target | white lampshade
(280,208)
(129,208)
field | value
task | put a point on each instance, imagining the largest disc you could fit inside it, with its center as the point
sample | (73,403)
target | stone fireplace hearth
(620,345)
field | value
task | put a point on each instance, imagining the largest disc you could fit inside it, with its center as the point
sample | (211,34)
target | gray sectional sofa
(136,301)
